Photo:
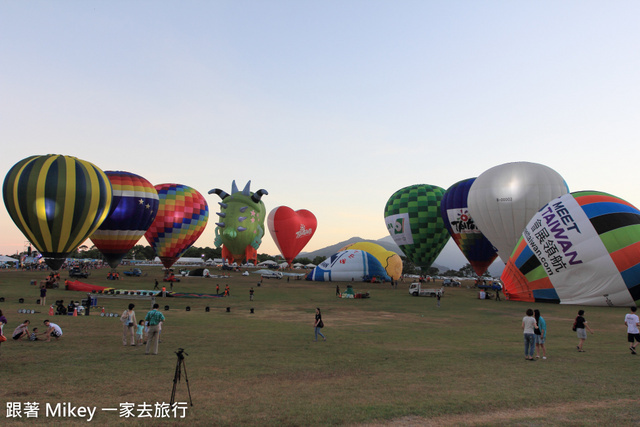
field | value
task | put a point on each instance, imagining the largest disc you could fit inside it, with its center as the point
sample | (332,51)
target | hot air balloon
(390,261)
(57,202)
(291,230)
(349,265)
(134,207)
(241,226)
(413,219)
(182,217)
(474,245)
(581,248)
(503,199)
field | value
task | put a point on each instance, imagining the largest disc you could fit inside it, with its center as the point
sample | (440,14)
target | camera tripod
(176,377)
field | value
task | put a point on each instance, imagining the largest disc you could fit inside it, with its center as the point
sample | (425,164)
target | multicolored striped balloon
(413,219)
(581,248)
(134,207)
(455,212)
(182,217)
(57,202)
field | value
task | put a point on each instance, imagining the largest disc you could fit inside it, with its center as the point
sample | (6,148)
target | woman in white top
(528,327)
(128,320)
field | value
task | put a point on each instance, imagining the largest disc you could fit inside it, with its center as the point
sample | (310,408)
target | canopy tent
(7,259)
(185,260)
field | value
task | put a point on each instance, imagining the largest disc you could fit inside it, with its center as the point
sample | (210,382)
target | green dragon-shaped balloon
(241,225)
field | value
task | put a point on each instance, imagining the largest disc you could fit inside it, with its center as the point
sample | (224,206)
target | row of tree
(141,252)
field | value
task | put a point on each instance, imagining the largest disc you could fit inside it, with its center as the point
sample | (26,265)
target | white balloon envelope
(504,198)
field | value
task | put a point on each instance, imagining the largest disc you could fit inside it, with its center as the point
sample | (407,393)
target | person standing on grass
(251,294)
(541,334)
(154,317)
(128,320)
(438,296)
(528,327)
(581,330)
(632,321)
(140,332)
(43,295)
(319,324)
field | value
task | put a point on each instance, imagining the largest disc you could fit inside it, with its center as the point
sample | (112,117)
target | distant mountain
(451,258)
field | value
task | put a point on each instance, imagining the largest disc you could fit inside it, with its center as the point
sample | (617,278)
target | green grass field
(390,359)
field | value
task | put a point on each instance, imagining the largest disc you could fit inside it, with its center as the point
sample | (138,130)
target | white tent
(7,259)
(186,260)
(310,265)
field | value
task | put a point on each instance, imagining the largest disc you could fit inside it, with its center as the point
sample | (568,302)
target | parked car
(272,275)
(451,282)
(76,272)
(134,272)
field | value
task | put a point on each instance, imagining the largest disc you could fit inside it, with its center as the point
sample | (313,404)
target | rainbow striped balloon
(581,248)
(134,207)
(57,202)
(182,217)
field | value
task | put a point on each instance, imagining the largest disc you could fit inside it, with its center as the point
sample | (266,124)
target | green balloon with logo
(413,219)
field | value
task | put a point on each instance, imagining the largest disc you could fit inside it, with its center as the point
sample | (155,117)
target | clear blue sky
(331,106)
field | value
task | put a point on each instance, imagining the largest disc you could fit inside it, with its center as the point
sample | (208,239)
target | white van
(272,275)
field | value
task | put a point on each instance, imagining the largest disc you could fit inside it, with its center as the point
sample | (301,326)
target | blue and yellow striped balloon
(57,202)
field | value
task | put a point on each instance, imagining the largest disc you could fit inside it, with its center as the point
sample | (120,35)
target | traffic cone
(51,311)
(75,312)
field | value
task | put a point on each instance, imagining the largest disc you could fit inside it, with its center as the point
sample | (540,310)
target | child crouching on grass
(140,332)
(34,335)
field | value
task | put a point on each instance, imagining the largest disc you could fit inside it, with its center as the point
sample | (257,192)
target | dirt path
(561,414)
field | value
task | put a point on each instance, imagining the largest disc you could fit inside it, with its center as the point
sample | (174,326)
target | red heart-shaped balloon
(291,230)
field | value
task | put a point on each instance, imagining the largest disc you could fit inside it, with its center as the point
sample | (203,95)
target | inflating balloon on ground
(347,266)
(412,216)
(581,248)
(241,225)
(133,209)
(390,261)
(57,202)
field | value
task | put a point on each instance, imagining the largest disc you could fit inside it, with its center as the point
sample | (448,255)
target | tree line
(142,252)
